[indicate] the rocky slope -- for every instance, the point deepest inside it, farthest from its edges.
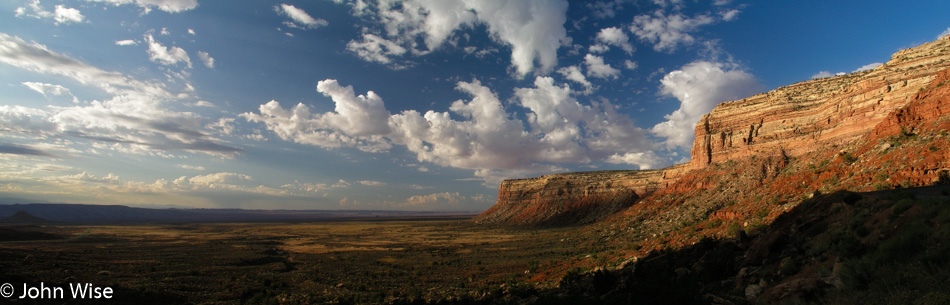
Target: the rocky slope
(789, 122)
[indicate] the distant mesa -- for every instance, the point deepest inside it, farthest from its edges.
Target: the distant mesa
(23, 217)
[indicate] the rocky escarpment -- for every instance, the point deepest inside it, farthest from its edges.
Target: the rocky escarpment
(573, 198)
(785, 123)
(824, 112)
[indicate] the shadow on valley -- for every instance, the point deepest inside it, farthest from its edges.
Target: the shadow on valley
(887, 247)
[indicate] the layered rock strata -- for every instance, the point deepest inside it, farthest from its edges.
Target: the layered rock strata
(822, 112)
(788, 122)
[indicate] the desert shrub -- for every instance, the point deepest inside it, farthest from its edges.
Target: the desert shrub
(733, 229)
(788, 267)
(904, 245)
(848, 158)
(900, 207)
(845, 244)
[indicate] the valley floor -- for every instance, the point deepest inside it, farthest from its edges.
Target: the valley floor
(287, 263)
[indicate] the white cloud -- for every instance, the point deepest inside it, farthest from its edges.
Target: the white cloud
(33, 9)
(224, 126)
(191, 167)
(533, 29)
(63, 14)
(597, 68)
(164, 55)
(646, 160)
(191, 31)
(133, 120)
(486, 138)
(23, 120)
(171, 6)
(944, 33)
(47, 89)
(206, 59)
(616, 37)
(598, 48)
(363, 115)
(358, 121)
(126, 42)
(430, 201)
(219, 178)
(667, 32)
(730, 15)
(574, 74)
(60, 15)
(605, 9)
(372, 183)
(204, 104)
(299, 18)
(375, 48)
(868, 66)
(700, 86)
(630, 65)
(822, 74)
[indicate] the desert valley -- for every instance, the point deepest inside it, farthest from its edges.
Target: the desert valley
(834, 191)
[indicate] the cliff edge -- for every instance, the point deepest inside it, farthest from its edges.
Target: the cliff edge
(787, 122)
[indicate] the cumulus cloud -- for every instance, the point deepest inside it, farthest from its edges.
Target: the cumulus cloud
(533, 29)
(63, 14)
(298, 17)
(358, 121)
(60, 15)
(47, 89)
(616, 37)
(206, 59)
(375, 49)
(477, 134)
(646, 159)
(171, 6)
(573, 73)
(667, 32)
(165, 55)
(700, 86)
(133, 120)
(597, 68)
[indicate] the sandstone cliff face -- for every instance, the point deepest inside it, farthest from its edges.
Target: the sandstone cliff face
(829, 111)
(573, 198)
(788, 122)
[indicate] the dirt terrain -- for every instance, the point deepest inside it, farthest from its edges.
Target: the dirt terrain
(285, 263)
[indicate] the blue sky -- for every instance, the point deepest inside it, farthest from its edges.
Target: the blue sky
(398, 105)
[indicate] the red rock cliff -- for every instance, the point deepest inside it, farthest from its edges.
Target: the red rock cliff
(828, 111)
(789, 121)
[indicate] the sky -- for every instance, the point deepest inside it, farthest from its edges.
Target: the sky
(392, 105)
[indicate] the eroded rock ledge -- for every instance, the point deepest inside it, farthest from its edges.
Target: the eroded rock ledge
(790, 121)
